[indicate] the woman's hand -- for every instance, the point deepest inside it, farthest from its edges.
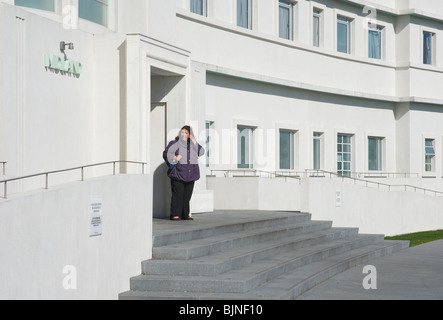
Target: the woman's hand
(178, 158)
(193, 140)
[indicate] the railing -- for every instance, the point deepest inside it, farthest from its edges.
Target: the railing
(258, 173)
(82, 169)
(367, 183)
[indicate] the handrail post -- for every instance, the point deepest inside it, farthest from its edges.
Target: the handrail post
(6, 190)
(47, 181)
(83, 173)
(113, 169)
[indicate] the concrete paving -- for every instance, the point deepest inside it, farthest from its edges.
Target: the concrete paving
(414, 273)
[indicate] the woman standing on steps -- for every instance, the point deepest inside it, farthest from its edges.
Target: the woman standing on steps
(181, 156)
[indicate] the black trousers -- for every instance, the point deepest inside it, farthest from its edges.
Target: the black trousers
(181, 195)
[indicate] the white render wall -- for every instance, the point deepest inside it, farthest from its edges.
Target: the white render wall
(43, 232)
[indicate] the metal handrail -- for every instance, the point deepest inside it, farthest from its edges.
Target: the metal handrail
(368, 182)
(82, 168)
(258, 173)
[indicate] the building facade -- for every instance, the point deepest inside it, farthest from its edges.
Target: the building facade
(272, 88)
(348, 87)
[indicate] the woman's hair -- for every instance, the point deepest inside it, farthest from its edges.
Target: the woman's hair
(187, 128)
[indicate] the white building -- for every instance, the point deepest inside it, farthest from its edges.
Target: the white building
(346, 87)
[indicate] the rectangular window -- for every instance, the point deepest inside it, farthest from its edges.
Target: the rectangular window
(94, 10)
(47, 5)
(209, 128)
(199, 7)
(343, 35)
(287, 144)
(317, 146)
(244, 14)
(285, 18)
(374, 42)
(429, 155)
(428, 42)
(245, 147)
(375, 153)
(344, 154)
(316, 28)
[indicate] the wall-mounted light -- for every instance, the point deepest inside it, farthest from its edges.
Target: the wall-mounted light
(63, 46)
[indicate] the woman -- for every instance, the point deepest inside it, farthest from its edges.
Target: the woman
(181, 155)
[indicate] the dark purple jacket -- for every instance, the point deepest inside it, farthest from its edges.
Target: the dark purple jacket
(187, 168)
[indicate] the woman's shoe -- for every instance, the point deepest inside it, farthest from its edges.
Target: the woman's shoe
(175, 218)
(189, 218)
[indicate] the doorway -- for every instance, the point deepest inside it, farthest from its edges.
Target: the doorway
(161, 192)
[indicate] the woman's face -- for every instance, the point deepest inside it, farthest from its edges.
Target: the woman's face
(184, 134)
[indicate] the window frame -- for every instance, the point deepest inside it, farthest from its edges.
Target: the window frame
(106, 5)
(317, 15)
(292, 149)
(204, 5)
(249, 14)
(290, 29)
(344, 20)
(342, 171)
(318, 137)
(54, 10)
(249, 157)
(429, 155)
(380, 30)
(379, 157)
(432, 52)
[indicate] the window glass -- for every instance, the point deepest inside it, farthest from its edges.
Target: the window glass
(198, 7)
(316, 28)
(374, 42)
(48, 5)
(343, 35)
(344, 155)
(427, 47)
(285, 19)
(94, 10)
(244, 147)
(374, 154)
(429, 155)
(286, 149)
(317, 150)
(244, 13)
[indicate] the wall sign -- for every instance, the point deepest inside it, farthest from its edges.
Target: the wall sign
(96, 221)
(60, 64)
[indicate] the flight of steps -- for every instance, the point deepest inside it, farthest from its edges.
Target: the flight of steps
(250, 255)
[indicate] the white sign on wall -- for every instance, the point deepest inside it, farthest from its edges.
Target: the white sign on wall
(338, 198)
(96, 221)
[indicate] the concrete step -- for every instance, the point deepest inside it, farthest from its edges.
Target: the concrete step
(226, 241)
(237, 256)
(289, 285)
(230, 222)
(250, 255)
(253, 275)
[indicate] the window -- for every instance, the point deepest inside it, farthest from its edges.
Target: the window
(344, 155)
(209, 128)
(374, 41)
(375, 152)
(199, 7)
(245, 148)
(343, 35)
(47, 5)
(317, 146)
(244, 14)
(94, 10)
(429, 155)
(428, 42)
(285, 17)
(316, 28)
(287, 144)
